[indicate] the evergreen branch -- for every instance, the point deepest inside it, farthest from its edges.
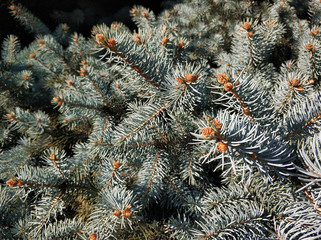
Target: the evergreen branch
(67, 235)
(53, 158)
(254, 126)
(251, 98)
(121, 93)
(24, 161)
(178, 52)
(116, 165)
(48, 213)
(296, 222)
(110, 44)
(75, 119)
(51, 44)
(309, 196)
(152, 174)
(304, 118)
(82, 106)
(96, 87)
(228, 200)
(42, 64)
(28, 20)
(158, 131)
(79, 165)
(144, 123)
(230, 227)
(179, 126)
(76, 40)
(305, 126)
(10, 49)
(176, 189)
(191, 165)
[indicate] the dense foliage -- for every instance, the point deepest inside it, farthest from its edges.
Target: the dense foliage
(203, 123)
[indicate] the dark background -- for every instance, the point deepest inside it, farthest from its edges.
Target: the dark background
(80, 15)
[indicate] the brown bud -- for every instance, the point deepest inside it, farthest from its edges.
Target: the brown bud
(64, 28)
(246, 25)
(117, 213)
(207, 132)
(93, 236)
(222, 78)
(218, 125)
(11, 183)
(164, 40)
(295, 82)
(111, 42)
(222, 147)
(53, 156)
(145, 15)
(181, 81)
(253, 155)
(126, 213)
(137, 39)
(181, 44)
(20, 183)
(228, 86)
(309, 47)
(246, 111)
(116, 164)
(191, 77)
(100, 39)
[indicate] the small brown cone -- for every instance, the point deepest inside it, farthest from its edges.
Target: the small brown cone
(111, 42)
(246, 25)
(309, 47)
(191, 77)
(218, 125)
(126, 213)
(207, 132)
(93, 236)
(20, 183)
(11, 183)
(222, 147)
(181, 44)
(246, 111)
(53, 156)
(116, 164)
(295, 82)
(100, 39)
(117, 213)
(228, 86)
(222, 78)
(165, 40)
